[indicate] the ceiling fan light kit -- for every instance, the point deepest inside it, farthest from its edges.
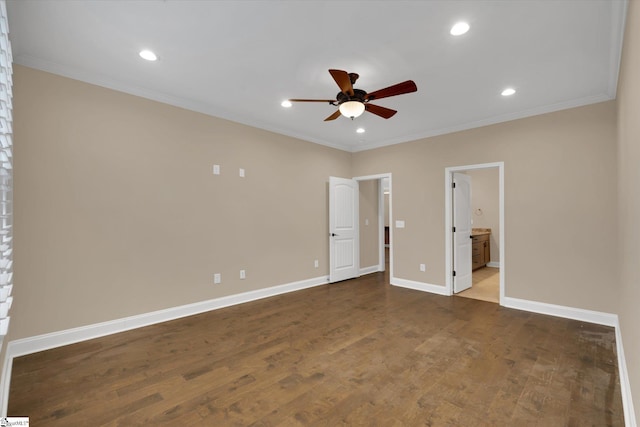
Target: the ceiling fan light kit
(352, 109)
(352, 102)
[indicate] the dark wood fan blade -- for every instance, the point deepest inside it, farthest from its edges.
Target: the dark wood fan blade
(399, 89)
(380, 111)
(330, 101)
(343, 80)
(333, 116)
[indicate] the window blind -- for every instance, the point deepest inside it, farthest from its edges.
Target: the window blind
(6, 173)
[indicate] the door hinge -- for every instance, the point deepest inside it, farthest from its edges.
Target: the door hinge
(453, 185)
(454, 229)
(454, 273)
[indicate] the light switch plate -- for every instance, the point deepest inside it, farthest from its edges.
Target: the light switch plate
(216, 169)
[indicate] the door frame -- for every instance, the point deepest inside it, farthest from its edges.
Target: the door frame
(448, 203)
(378, 178)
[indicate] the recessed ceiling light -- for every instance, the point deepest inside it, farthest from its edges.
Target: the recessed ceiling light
(360, 130)
(459, 29)
(286, 103)
(148, 55)
(508, 91)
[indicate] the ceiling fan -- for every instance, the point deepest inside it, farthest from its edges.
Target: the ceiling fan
(353, 102)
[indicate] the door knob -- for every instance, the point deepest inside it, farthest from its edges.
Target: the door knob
(333, 234)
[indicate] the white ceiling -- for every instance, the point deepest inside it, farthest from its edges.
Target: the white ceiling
(239, 59)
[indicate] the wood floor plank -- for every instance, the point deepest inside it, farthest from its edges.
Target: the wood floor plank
(359, 352)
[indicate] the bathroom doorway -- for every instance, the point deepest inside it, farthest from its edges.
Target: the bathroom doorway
(486, 215)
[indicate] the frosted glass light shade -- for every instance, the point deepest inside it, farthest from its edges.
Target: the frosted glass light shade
(352, 109)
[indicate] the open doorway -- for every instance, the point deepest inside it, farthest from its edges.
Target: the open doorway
(482, 245)
(356, 226)
(375, 218)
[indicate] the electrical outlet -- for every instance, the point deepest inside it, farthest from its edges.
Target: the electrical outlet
(316, 264)
(423, 267)
(217, 278)
(243, 274)
(241, 172)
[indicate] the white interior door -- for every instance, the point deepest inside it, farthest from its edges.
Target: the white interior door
(344, 244)
(462, 242)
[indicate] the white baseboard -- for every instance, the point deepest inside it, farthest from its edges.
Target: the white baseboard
(30, 345)
(493, 264)
(369, 270)
(38, 343)
(419, 286)
(625, 386)
(590, 316)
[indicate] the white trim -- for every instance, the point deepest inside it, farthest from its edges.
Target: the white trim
(625, 386)
(34, 344)
(419, 286)
(493, 264)
(5, 383)
(369, 270)
(381, 243)
(502, 118)
(372, 177)
(448, 179)
(47, 341)
(202, 107)
(598, 317)
(618, 19)
(43, 342)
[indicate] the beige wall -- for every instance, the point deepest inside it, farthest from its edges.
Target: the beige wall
(386, 210)
(485, 205)
(629, 197)
(560, 203)
(369, 233)
(118, 212)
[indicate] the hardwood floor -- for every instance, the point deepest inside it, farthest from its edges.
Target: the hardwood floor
(486, 285)
(359, 352)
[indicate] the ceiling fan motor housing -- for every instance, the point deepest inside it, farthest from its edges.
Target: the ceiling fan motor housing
(358, 95)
